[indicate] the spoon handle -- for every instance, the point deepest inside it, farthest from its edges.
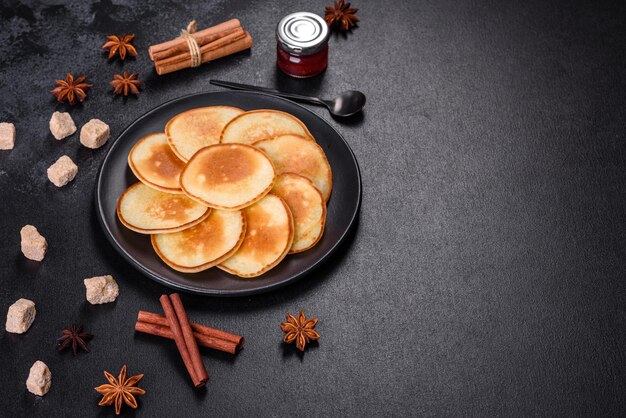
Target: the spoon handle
(238, 86)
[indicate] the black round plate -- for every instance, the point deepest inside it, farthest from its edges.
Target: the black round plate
(115, 176)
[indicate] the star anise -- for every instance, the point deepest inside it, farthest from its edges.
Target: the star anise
(120, 390)
(71, 90)
(74, 337)
(299, 330)
(120, 45)
(126, 84)
(341, 15)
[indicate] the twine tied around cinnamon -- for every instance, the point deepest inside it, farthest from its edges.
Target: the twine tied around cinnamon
(194, 48)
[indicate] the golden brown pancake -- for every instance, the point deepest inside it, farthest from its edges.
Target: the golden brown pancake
(155, 164)
(228, 176)
(197, 128)
(258, 125)
(295, 154)
(149, 211)
(202, 246)
(269, 235)
(307, 208)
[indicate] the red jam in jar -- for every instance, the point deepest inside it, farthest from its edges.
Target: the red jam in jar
(302, 44)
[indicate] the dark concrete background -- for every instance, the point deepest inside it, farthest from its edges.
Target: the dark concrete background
(486, 277)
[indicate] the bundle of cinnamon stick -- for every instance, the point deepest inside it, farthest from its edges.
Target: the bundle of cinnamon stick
(215, 42)
(175, 325)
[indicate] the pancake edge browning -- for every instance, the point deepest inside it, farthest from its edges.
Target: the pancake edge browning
(204, 266)
(319, 237)
(309, 135)
(158, 230)
(273, 264)
(330, 170)
(141, 178)
(167, 129)
(238, 207)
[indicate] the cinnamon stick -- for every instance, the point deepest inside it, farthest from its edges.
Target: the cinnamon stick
(190, 341)
(231, 48)
(202, 37)
(185, 56)
(174, 325)
(153, 318)
(202, 339)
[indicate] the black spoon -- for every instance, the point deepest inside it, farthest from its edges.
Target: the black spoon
(346, 104)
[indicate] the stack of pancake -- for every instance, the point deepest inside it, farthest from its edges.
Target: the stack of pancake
(227, 188)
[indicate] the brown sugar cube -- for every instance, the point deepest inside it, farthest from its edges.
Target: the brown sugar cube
(34, 246)
(39, 379)
(20, 316)
(101, 289)
(7, 135)
(94, 134)
(62, 125)
(62, 171)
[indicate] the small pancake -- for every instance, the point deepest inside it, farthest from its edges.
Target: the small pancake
(307, 207)
(258, 125)
(155, 165)
(228, 176)
(295, 154)
(197, 128)
(269, 235)
(149, 211)
(202, 246)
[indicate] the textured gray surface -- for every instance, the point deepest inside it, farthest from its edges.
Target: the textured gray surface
(487, 273)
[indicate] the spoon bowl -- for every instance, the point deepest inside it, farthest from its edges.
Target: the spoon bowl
(346, 104)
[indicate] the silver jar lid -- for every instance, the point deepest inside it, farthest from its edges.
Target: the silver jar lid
(302, 33)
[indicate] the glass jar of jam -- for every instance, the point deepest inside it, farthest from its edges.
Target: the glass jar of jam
(302, 44)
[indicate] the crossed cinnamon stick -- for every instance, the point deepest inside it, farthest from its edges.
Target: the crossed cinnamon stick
(175, 325)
